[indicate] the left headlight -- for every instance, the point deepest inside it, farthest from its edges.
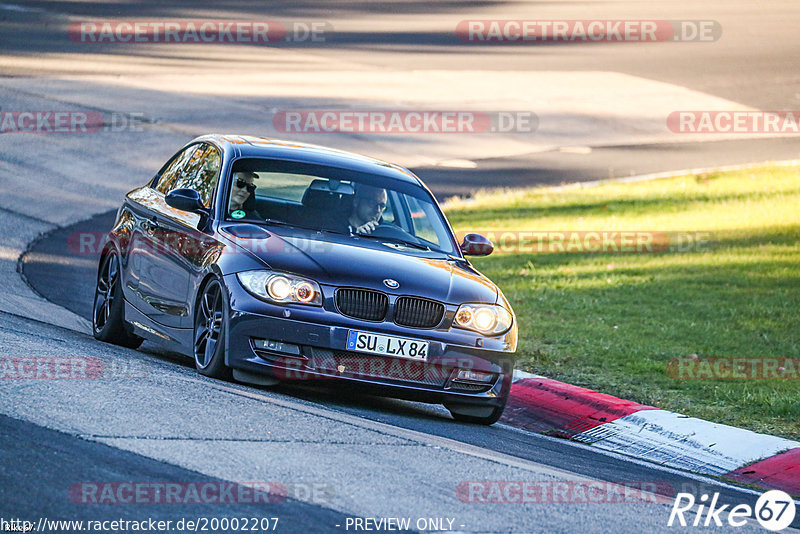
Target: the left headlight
(281, 288)
(488, 319)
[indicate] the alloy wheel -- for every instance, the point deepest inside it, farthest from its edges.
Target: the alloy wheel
(104, 293)
(208, 325)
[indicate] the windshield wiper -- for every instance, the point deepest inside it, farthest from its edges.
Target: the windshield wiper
(300, 226)
(419, 246)
(277, 222)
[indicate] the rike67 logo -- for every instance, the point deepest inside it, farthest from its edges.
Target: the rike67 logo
(774, 510)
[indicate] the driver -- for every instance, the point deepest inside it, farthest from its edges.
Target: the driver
(369, 204)
(243, 201)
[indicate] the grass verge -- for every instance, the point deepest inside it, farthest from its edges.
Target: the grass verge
(721, 278)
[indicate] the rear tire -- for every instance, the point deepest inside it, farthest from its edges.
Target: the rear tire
(108, 309)
(210, 327)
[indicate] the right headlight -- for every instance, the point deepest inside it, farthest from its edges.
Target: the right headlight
(281, 288)
(488, 319)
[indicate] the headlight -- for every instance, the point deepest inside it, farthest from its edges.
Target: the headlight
(484, 318)
(281, 288)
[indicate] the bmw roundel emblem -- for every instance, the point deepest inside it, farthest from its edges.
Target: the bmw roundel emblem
(391, 284)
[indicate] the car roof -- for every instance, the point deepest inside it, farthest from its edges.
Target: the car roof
(264, 147)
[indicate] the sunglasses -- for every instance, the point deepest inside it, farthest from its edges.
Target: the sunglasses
(241, 184)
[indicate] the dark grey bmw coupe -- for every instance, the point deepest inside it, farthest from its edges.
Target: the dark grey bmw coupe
(270, 260)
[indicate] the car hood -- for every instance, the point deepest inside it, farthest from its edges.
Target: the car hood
(344, 261)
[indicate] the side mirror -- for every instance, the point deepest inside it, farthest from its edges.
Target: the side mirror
(186, 200)
(476, 245)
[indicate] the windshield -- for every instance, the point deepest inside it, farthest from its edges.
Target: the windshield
(336, 200)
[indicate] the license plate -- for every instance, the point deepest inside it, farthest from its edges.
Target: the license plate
(387, 345)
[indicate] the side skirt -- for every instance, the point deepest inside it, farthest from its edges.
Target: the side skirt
(174, 339)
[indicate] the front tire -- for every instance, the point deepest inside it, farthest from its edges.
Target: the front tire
(210, 327)
(477, 415)
(108, 309)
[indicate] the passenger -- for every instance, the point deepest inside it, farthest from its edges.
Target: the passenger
(369, 204)
(243, 199)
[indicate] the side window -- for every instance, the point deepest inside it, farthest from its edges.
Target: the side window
(201, 171)
(170, 175)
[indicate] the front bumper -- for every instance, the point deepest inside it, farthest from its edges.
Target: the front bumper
(308, 344)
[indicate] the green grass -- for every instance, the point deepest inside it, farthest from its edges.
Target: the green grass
(612, 321)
